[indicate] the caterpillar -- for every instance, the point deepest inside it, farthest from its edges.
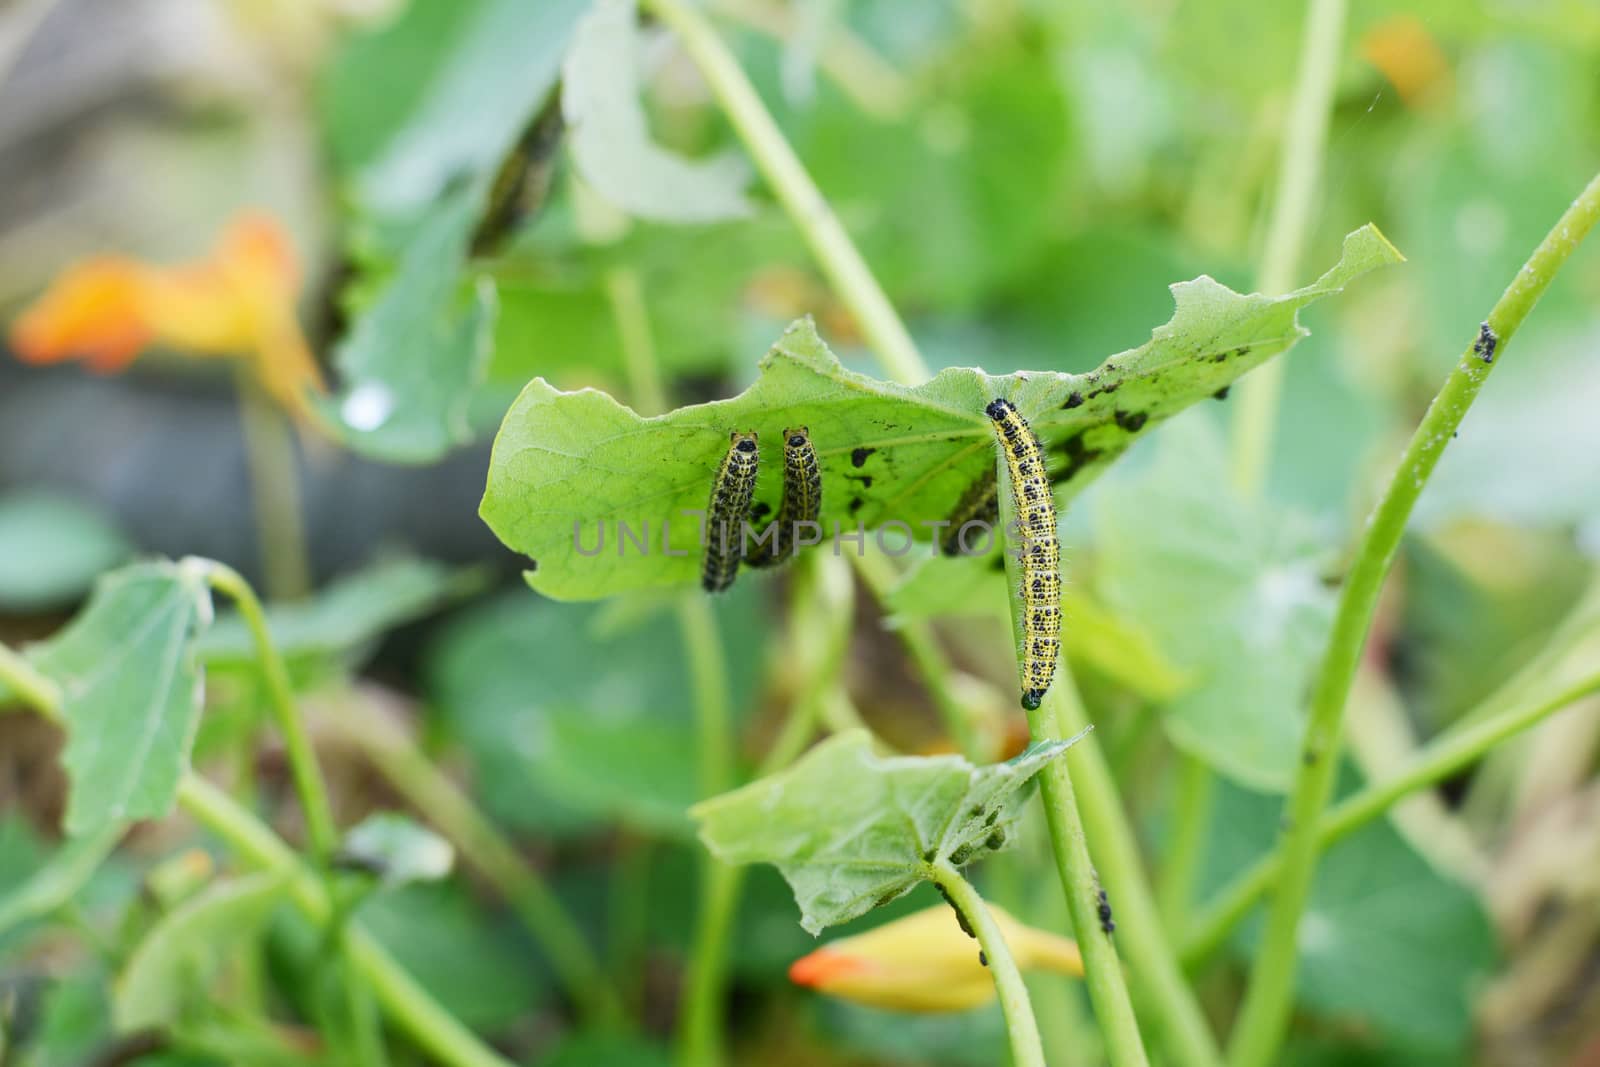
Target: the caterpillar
(735, 484)
(980, 504)
(802, 501)
(1041, 556)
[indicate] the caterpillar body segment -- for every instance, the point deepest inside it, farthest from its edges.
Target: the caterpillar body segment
(731, 492)
(1040, 555)
(802, 501)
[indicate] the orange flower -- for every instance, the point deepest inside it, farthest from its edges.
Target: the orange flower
(1406, 53)
(925, 962)
(239, 300)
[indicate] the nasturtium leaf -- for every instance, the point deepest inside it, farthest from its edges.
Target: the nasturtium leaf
(347, 614)
(131, 690)
(173, 964)
(1231, 590)
(610, 137)
(410, 365)
(570, 466)
(851, 829)
(51, 549)
(396, 849)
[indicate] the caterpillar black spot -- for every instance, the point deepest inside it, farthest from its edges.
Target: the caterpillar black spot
(735, 484)
(1041, 555)
(979, 504)
(802, 501)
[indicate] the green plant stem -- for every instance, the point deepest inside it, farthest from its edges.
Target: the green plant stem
(923, 647)
(447, 806)
(1163, 993)
(1431, 764)
(626, 296)
(407, 1004)
(274, 491)
(1305, 135)
(1191, 818)
(1026, 1048)
(321, 829)
(1265, 1012)
(700, 1016)
(811, 213)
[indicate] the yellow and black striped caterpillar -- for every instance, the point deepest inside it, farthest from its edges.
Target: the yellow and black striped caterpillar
(735, 484)
(1041, 555)
(802, 501)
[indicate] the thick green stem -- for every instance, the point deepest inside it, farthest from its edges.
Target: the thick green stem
(700, 1016)
(1163, 992)
(811, 213)
(1191, 823)
(1305, 135)
(1026, 1048)
(447, 806)
(407, 1004)
(1265, 1013)
(274, 491)
(1431, 764)
(321, 829)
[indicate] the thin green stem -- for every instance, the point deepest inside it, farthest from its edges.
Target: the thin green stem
(1305, 135)
(1431, 764)
(321, 829)
(274, 491)
(923, 647)
(1163, 993)
(626, 296)
(811, 213)
(444, 804)
(30, 685)
(700, 1017)
(1191, 822)
(1026, 1048)
(1265, 1013)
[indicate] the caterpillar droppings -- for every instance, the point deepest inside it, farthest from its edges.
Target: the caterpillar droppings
(735, 484)
(1041, 555)
(802, 501)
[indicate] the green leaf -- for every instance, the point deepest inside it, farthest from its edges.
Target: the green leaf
(565, 462)
(173, 965)
(59, 879)
(131, 690)
(409, 367)
(397, 849)
(51, 549)
(347, 614)
(610, 138)
(558, 744)
(500, 62)
(1233, 593)
(851, 830)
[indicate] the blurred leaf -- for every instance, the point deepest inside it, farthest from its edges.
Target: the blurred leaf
(409, 366)
(851, 830)
(350, 612)
(606, 1050)
(131, 690)
(59, 879)
(1232, 592)
(477, 971)
(610, 138)
(558, 742)
(73, 1021)
(1385, 940)
(177, 960)
(51, 549)
(483, 86)
(890, 453)
(397, 849)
